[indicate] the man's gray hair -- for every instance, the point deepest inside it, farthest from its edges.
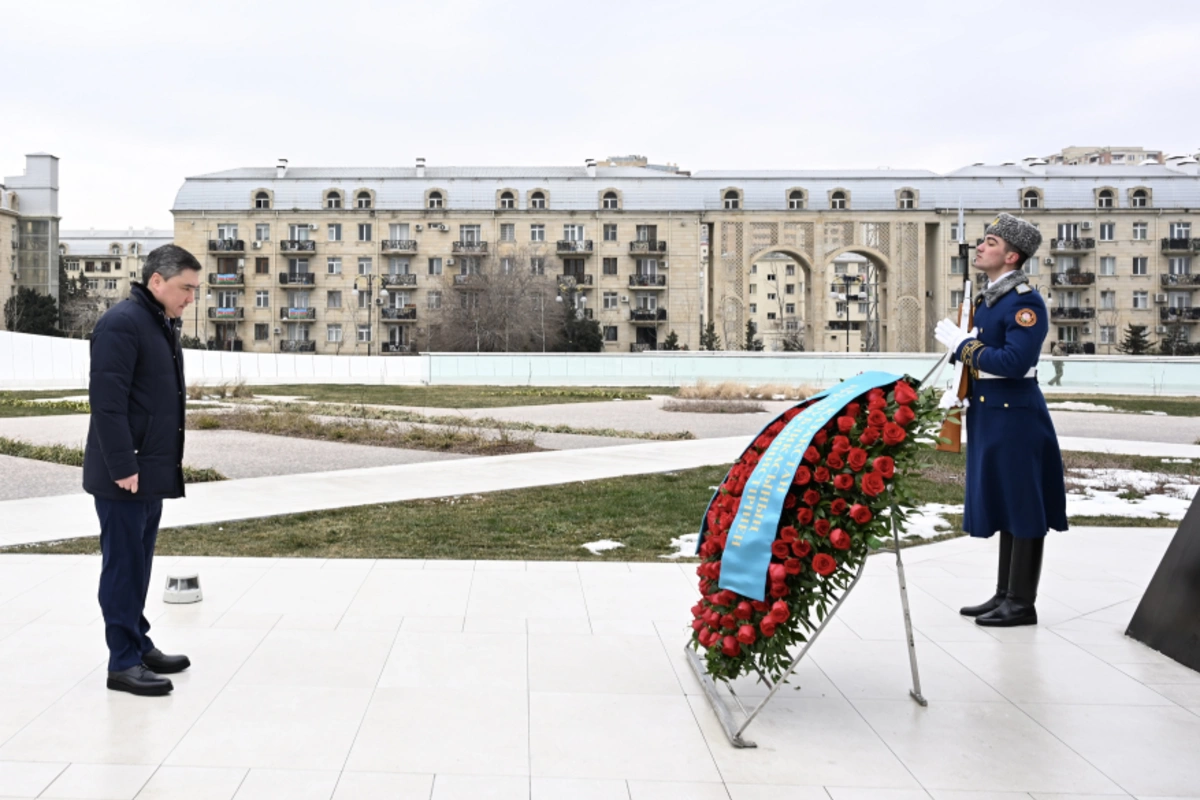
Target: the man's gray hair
(168, 261)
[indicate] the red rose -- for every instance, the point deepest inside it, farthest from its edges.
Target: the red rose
(712, 618)
(759, 605)
(821, 438)
(821, 474)
(803, 476)
(775, 572)
(727, 621)
(860, 514)
(845, 424)
(844, 482)
(856, 458)
(877, 418)
(837, 507)
(725, 598)
(775, 428)
(704, 637)
(811, 455)
(697, 610)
(872, 484)
(697, 624)
(767, 626)
(869, 437)
(875, 394)
(839, 539)
(877, 404)
(903, 415)
(791, 413)
(743, 610)
(822, 527)
(904, 393)
(762, 442)
(788, 534)
(823, 564)
(750, 458)
(804, 516)
(746, 634)
(779, 549)
(812, 497)
(801, 549)
(730, 647)
(793, 566)
(779, 590)
(708, 549)
(893, 434)
(834, 461)
(852, 410)
(789, 500)
(779, 612)
(841, 445)
(885, 466)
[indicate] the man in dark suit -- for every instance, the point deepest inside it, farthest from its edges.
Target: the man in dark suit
(1014, 466)
(134, 456)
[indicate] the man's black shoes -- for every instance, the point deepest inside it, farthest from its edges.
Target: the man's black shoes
(984, 608)
(163, 664)
(139, 680)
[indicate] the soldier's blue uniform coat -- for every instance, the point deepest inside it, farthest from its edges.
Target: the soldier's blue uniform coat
(1014, 466)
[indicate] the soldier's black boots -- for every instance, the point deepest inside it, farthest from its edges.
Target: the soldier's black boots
(1026, 570)
(1006, 547)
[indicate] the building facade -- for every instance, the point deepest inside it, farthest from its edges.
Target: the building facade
(29, 228)
(103, 263)
(831, 260)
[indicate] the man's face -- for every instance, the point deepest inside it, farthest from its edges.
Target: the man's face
(175, 293)
(992, 255)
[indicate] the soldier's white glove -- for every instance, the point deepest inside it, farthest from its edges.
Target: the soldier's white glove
(951, 335)
(950, 400)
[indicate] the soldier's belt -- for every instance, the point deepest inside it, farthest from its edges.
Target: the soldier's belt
(1032, 373)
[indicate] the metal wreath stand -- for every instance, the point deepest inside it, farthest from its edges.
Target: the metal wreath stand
(725, 715)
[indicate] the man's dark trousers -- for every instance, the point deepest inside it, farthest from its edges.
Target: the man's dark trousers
(128, 530)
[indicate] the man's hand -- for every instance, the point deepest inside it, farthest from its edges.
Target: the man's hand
(951, 335)
(950, 400)
(129, 484)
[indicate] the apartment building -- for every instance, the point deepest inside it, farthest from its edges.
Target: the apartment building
(107, 261)
(29, 228)
(361, 259)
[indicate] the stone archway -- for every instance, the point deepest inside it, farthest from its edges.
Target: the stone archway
(801, 320)
(862, 324)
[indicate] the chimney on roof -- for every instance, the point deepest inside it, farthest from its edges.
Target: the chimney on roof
(420, 168)
(591, 167)
(281, 168)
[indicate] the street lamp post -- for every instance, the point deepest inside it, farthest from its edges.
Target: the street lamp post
(383, 294)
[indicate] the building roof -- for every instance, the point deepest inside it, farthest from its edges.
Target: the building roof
(94, 242)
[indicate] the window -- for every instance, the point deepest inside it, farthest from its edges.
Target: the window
(907, 199)
(333, 332)
(1108, 265)
(1179, 265)
(609, 201)
(537, 233)
(262, 200)
(610, 333)
(261, 331)
(790, 270)
(958, 265)
(298, 231)
(364, 333)
(1066, 264)
(469, 234)
(1139, 265)
(71, 266)
(506, 266)
(297, 266)
(1141, 300)
(364, 231)
(1068, 230)
(363, 200)
(610, 266)
(433, 300)
(1108, 299)
(333, 265)
(956, 298)
(789, 308)
(537, 265)
(753, 288)
(262, 232)
(93, 284)
(227, 231)
(770, 295)
(262, 266)
(573, 233)
(435, 266)
(333, 299)
(754, 269)
(732, 200)
(435, 200)
(770, 315)
(1105, 198)
(364, 301)
(110, 284)
(1139, 198)
(333, 200)
(795, 200)
(790, 289)
(507, 201)
(1181, 230)
(1108, 334)
(647, 233)
(1031, 199)
(954, 231)
(262, 298)
(837, 200)
(754, 308)
(771, 277)
(610, 232)
(1108, 231)
(364, 265)
(610, 300)
(508, 232)
(537, 200)
(334, 232)
(1068, 333)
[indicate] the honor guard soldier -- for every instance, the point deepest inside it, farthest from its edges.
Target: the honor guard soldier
(1014, 467)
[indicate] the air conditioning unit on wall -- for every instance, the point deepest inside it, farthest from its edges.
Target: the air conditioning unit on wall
(1049, 262)
(1087, 329)
(1085, 226)
(1160, 298)
(1161, 329)
(257, 245)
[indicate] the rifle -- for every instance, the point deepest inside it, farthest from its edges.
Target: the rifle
(952, 427)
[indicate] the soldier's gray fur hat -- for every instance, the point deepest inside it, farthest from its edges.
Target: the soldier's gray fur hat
(1017, 232)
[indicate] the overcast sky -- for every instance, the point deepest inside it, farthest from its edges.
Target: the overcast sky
(134, 96)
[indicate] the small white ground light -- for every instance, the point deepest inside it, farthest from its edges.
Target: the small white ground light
(183, 588)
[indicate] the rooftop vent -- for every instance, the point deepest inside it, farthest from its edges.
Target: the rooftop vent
(591, 167)
(281, 168)
(420, 168)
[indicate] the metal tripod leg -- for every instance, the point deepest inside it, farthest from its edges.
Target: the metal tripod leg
(915, 692)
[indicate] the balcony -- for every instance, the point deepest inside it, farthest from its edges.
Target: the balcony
(1072, 280)
(648, 281)
(1077, 348)
(468, 280)
(572, 247)
(297, 278)
(401, 246)
(395, 347)
(1181, 281)
(643, 347)
(297, 346)
(227, 314)
(1072, 245)
(226, 279)
(228, 345)
(574, 280)
(406, 314)
(469, 248)
(297, 246)
(1179, 314)
(399, 279)
(1062, 314)
(226, 246)
(298, 314)
(647, 247)
(647, 316)
(1180, 245)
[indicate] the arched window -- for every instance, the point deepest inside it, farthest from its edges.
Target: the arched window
(507, 200)
(435, 199)
(363, 199)
(1139, 198)
(837, 200)
(1104, 199)
(796, 199)
(62, 249)
(262, 200)
(609, 202)
(906, 199)
(537, 200)
(731, 200)
(133, 248)
(115, 249)
(1031, 199)
(333, 200)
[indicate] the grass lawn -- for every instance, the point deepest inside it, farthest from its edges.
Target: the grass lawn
(459, 396)
(22, 404)
(1172, 406)
(73, 457)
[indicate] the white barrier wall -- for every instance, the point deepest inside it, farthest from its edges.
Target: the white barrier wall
(40, 362)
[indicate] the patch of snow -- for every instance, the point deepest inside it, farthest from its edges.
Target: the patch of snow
(1176, 461)
(685, 546)
(75, 398)
(596, 548)
(1076, 406)
(926, 521)
(1156, 413)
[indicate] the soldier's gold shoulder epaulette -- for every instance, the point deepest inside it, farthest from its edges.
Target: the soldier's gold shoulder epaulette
(1024, 288)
